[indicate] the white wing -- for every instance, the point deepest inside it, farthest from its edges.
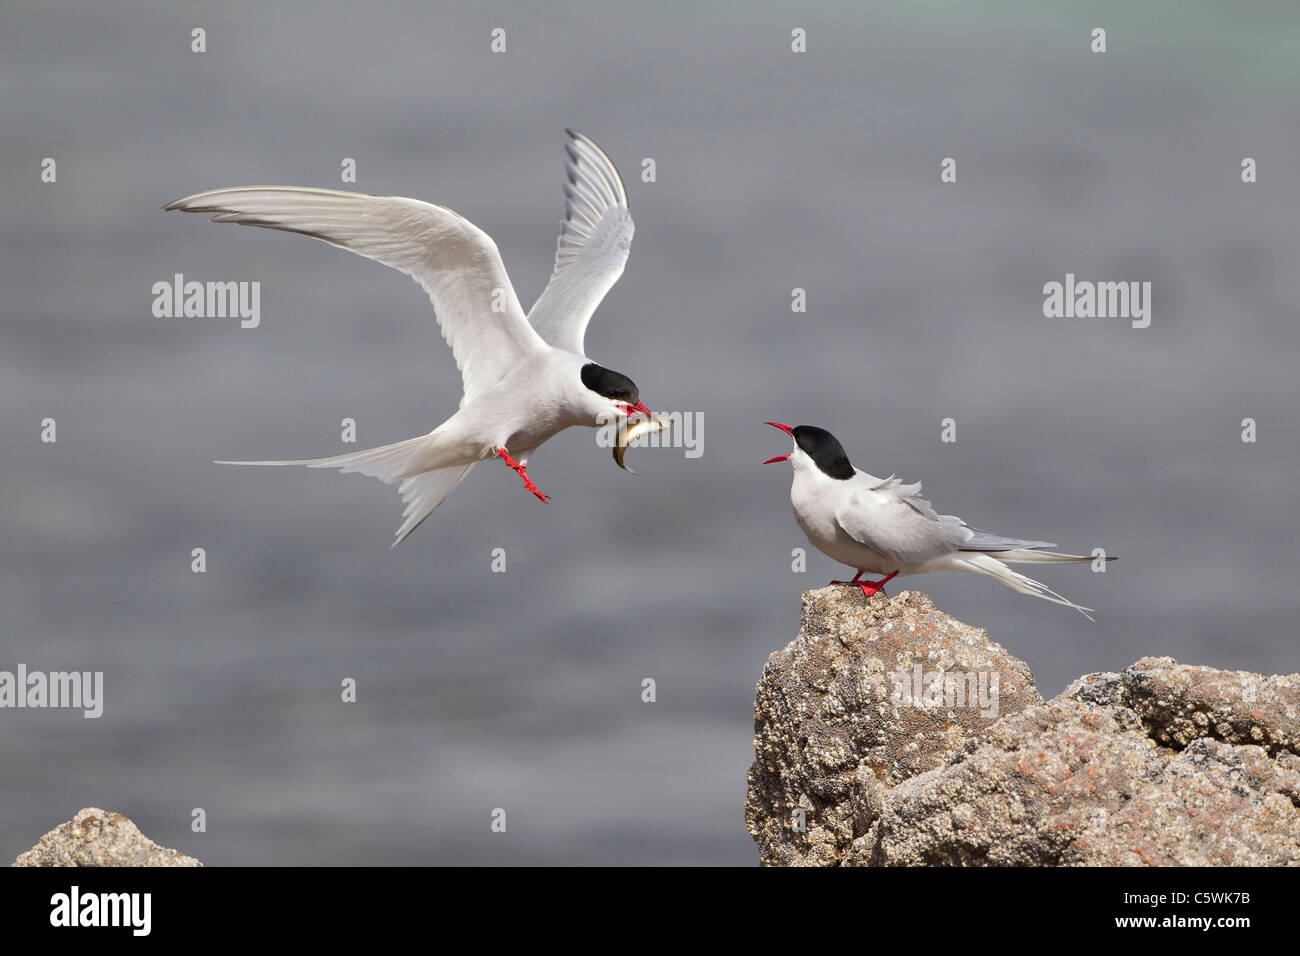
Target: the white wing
(593, 246)
(891, 519)
(456, 262)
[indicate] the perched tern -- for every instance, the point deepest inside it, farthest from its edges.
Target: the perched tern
(882, 526)
(525, 377)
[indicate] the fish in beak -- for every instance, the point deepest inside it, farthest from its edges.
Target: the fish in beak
(629, 432)
(789, 431)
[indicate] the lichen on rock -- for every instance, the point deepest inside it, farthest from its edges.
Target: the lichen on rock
(1161, 764)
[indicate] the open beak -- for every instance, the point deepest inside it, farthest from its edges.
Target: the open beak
(638, 407)
(789, 431)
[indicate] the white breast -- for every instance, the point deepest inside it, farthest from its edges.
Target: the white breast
(815, 498)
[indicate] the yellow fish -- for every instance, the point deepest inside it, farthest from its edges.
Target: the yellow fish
(630, 433)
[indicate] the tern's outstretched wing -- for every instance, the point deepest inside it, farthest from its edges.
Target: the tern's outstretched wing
(893, 520)
(592, 250)
(456, 262)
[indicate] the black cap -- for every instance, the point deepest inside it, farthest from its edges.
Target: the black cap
(610, 384)
(825, 450)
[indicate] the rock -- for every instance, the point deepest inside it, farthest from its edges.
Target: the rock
(834, 722)
(1161, 764)
(96, 837)
(1179, 704)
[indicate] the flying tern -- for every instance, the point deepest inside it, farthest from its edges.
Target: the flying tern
(883, 526)
(525, 377)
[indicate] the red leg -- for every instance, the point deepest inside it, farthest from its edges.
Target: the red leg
(528, 482)
(870, 587)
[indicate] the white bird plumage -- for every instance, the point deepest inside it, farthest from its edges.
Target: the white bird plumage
(883, 526)
(595, 238)
(525, 377)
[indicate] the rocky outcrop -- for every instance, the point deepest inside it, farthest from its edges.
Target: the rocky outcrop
(888, 733)
(96, 837)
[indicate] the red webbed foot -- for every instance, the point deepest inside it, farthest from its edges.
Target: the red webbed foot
(870, 587)
(523, 473)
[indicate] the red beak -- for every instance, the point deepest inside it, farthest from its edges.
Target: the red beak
(789, 431)
(638, 407)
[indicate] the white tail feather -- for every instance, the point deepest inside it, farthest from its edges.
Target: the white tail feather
(421, 492)
(388, 463)
(1034, 556)
(991, 566)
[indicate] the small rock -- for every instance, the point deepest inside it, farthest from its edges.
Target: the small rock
(96, 837)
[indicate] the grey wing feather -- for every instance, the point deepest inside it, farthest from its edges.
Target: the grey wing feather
(985, 541)
(595, 238)
(971, 539)
(894, 521)
(455, 261)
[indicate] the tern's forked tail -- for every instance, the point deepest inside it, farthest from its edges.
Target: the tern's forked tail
(991, 566)
(421, 492)
(388, 463)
